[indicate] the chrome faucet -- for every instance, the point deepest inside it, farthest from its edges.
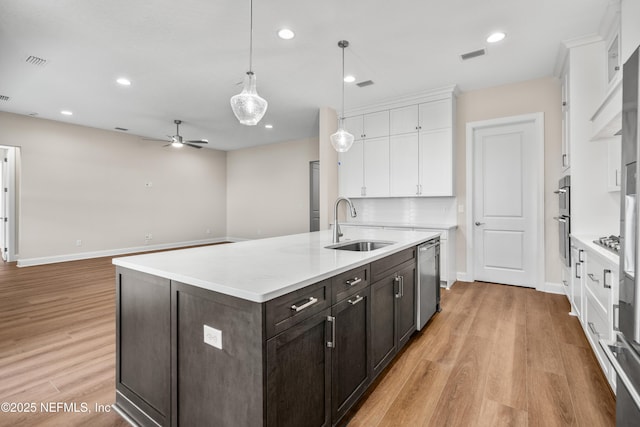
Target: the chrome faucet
(336, 227)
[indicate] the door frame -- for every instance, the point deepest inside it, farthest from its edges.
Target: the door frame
(538, 138)
(11, 238)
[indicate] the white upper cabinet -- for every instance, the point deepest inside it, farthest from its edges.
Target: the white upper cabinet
(404, 120)
(406, 151)
(372, 125)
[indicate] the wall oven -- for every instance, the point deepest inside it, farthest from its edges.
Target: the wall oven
(564, 218)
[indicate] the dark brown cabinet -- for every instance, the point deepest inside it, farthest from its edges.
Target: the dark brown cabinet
(299, 374)
(351, 370)
(191, 356)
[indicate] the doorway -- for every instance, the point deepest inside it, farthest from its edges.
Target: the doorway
(505, 182)
(314, 195)
(8, 217)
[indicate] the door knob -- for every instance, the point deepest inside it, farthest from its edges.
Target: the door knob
(479, 223)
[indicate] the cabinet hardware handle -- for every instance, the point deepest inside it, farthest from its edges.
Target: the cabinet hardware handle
(401, 286)
(355, 301)
(592, 277)
(354, 281)
(564, 157)
(332, 343)
(564, 282)
(564, 103)
(580, 252)
(363, 191)
(417, 190)
(577, 265)
(397, 280)
(617, 173)
(309, 303)
(616, 311)
(604, 278)
(560, 191)
(594, 331)
(560, 219)
(617, 68)
(421, 189)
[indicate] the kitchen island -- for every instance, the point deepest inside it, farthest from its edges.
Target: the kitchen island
(280, 331)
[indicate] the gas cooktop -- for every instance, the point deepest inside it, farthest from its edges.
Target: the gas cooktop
(611, 243)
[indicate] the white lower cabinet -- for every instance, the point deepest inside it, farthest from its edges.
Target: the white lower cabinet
(595, 291)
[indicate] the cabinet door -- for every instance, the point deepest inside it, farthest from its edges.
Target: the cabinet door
(614, 161)
(143, 343)
(299, 375)
(406, 304)
(383, 331)
(436, 163)
(354, 125)
(436, 115)
(350, 373)
(376, 124)
(376, 167)
(564, 160)
(403, 164)
(351, 171)
(403, 120)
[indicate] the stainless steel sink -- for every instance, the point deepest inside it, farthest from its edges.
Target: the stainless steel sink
(360, 245)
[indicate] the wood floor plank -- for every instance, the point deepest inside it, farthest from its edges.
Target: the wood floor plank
(494, 414)
(549, 400)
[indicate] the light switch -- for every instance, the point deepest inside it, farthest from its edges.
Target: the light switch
(213, 337)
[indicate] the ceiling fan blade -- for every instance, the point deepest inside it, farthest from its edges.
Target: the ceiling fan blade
(192, 145)
(154, 139)
(198, 141)
(167, 145)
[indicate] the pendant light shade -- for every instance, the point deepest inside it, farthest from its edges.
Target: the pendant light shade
(342, 140)
(248, 106)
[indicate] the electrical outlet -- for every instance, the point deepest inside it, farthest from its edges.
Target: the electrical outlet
(208, 231)
(460, 208)
(78, 242)
(213, 337)
(148, 184)
(148, 236)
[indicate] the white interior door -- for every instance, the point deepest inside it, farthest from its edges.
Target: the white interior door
(505, 204)
(3, 203)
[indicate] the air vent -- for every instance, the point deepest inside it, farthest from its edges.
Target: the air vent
(365, 83)
(4, 98)
(34, 60)
(473, 54)
(122, 129)
(33, 114)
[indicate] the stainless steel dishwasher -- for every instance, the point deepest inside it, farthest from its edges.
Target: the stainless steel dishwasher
(428, 295)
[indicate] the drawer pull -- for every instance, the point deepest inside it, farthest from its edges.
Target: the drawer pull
(594, 331)
(400, 281)
(592, 277)
(580, 252)
(354, 281)
(355, 301)
(604, 278)
(309, 303)
(578, 265)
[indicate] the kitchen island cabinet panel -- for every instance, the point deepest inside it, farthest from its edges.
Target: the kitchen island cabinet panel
(351, 370)
(383, 330)
(143, 345)
(406, 310)
(229, 378)
(299, 375)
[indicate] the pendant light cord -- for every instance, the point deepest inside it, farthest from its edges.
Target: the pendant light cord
(250, 36)
(342, 115)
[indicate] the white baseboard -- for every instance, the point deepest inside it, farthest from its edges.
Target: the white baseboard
(552, 288)
(463, 276)
(28, 262)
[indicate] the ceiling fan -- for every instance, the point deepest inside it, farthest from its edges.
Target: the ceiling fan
(177, 141)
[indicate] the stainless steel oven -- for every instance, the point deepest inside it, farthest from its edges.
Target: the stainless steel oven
(564, 219)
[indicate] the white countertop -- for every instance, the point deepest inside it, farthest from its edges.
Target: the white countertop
(260, 270)
(604, 254)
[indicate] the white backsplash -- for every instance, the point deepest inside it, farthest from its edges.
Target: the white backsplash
(432, 210)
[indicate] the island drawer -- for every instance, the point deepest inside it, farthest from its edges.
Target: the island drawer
(381, 268)
(348, 283)
(283, 312)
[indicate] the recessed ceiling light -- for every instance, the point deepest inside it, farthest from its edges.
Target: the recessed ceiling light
(349, 79)
(496, 37)
(124, 81)
(286, 34)
(66, 112)
(268, 126)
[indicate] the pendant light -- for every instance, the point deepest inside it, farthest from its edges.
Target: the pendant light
(342, 140)
(248, 106)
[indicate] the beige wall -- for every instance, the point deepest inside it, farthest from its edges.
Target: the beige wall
(328, 166)
(80, 183)
(268, 189)
(542, 95)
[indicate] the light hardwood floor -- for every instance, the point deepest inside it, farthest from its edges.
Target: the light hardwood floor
(495, 355)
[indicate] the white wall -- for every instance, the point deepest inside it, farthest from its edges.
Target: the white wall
(80, 183)
(630, 37)
(268, 189)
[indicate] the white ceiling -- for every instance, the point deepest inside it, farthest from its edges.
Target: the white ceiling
(185, 58)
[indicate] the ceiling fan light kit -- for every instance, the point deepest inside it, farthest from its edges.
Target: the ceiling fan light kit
(248, 106)
(342, 140)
